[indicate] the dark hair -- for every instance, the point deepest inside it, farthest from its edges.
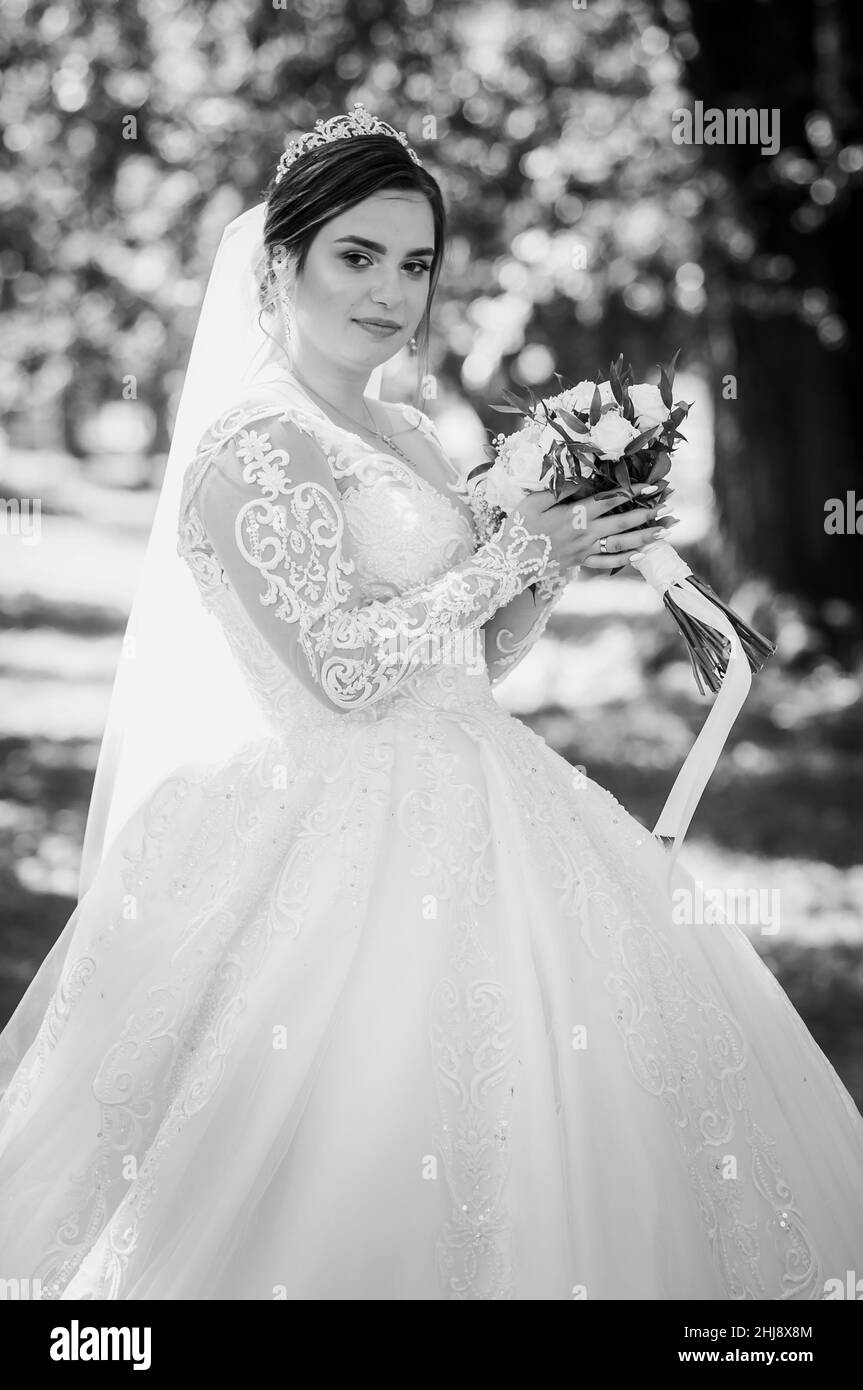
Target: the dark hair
(329, 180)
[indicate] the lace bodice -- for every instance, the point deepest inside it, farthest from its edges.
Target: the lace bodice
(345, 581)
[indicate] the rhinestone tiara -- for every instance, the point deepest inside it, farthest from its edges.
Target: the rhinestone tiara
(359, 121)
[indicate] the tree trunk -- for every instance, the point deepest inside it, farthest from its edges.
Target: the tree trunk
(786, 317)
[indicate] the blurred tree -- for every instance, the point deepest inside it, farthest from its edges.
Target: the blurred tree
(136, 133)
(131, 135)
(781, 242)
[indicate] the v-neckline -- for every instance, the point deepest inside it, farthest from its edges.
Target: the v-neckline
(412, 473)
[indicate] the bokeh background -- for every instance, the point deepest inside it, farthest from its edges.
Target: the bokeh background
(131, 134)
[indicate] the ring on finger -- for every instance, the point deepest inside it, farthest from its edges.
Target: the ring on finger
(603, 546)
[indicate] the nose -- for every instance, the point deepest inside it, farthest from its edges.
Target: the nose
(386, 291)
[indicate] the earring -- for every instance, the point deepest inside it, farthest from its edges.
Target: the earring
(413, 344)
(286, 303)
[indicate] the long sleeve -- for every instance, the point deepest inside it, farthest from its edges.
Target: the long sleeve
(271, 511)
(513, 630)
(516, 627)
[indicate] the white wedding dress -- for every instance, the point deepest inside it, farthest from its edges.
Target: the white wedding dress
(391, 1004)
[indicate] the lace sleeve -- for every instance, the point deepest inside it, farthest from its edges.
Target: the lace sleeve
(271, 511)
(513, 630)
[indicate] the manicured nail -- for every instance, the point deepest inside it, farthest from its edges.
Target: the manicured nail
(648, 488)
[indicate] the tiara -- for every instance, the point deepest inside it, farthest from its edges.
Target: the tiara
(342, 127)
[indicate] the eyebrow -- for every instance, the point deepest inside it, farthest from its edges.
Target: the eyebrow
(376, 246)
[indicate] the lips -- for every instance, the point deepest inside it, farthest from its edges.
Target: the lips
(378, 323)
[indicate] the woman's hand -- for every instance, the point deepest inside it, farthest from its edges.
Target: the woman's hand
(576, 529)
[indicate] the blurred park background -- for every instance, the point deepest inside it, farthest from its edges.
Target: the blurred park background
(579, 228)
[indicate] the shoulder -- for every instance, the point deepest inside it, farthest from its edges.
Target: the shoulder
(258, 415)
(261, 443)
(403, 414)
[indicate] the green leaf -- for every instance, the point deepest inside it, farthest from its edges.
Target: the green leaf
(673, 366)
(621, 476)
(665, 389)
(571, 421)
(616, 388)
(507, 409)
(595, 406)
(589, 450)
(480, 468)
(660, 468)
(641, 439)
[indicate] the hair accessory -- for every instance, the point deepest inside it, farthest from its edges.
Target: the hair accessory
(342, 127)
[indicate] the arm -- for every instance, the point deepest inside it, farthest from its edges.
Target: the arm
(272, 514)
(516, 627)
(513, 630)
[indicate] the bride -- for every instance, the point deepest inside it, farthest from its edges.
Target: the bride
(367, 994)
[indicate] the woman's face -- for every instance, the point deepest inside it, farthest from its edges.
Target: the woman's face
(371, 262)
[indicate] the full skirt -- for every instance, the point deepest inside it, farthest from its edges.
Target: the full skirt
(412, 1013)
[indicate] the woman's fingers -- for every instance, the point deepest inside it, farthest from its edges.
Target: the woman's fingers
(627, 521)
(620, 547)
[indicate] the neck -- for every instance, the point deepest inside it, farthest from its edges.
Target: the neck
(339, 386)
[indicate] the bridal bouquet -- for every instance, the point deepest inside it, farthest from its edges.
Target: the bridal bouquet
(604, 436)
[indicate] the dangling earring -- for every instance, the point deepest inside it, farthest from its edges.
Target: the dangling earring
(281, 275)
(413, 345)
(287, 308)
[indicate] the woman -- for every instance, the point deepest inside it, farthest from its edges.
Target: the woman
(385, 1003)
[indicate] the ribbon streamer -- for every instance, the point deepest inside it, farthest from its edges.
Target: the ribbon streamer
(661, 566)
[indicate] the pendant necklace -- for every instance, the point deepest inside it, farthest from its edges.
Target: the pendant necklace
(371, 429)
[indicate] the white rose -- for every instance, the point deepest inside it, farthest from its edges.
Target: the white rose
(611, 435)
(582, 395)
(524, 465)
(648, 406)
(500, 490)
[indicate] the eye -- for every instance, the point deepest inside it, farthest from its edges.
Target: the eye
(418, 267)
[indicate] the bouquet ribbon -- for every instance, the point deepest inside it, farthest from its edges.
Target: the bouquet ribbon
(661, 566)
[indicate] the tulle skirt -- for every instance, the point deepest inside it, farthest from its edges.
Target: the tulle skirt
(413, 1015)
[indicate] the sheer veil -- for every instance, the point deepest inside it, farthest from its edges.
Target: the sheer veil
(178, 697)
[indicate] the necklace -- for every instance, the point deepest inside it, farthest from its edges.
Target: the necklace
(371, 429)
